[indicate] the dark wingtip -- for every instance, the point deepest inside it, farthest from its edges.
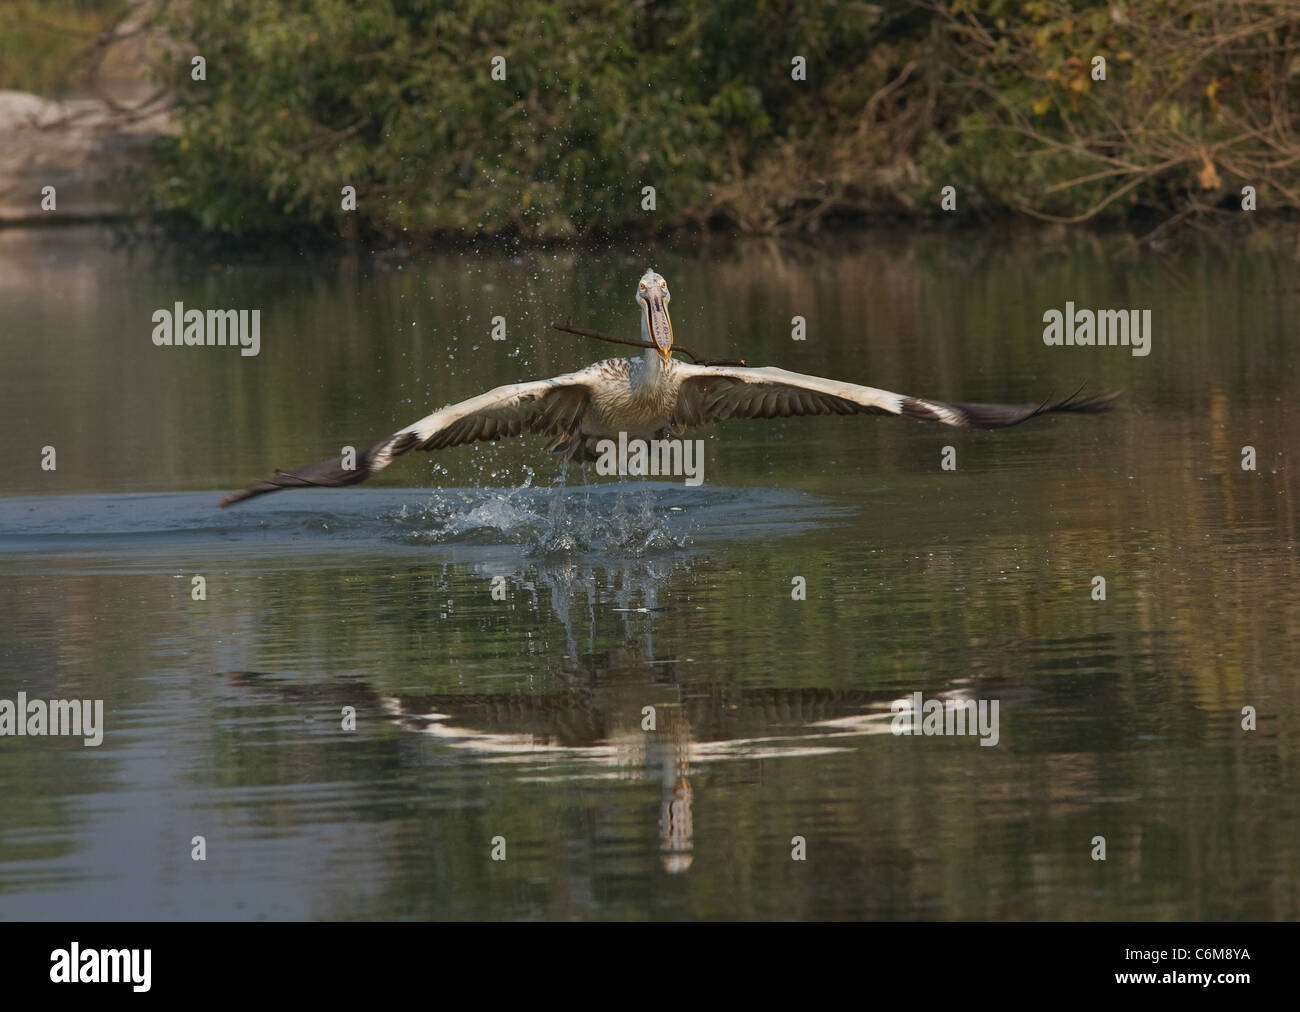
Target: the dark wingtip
(240, 496)
(1092, 404)
(1000, 416)
(330, 473)
(276, 484)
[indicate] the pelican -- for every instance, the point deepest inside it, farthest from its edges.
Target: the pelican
(651, 397)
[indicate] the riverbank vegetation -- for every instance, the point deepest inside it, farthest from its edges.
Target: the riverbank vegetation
(46, 46)
(755, 116)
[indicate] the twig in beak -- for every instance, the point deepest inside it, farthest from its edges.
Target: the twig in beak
(582, 332)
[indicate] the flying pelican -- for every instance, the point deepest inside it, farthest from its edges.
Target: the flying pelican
(651, 397)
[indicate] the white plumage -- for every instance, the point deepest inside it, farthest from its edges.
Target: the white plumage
(653, 396)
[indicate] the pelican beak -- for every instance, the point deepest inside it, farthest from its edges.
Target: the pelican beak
(659, 325)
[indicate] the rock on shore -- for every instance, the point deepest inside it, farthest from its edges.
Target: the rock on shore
(93, 157)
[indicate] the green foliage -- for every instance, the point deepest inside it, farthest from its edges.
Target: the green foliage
(695, 98)
(601, 98)
(43, 42)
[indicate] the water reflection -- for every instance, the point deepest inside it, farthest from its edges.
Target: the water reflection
(522, 715)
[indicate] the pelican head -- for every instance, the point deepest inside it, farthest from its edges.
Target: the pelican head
(656, 326)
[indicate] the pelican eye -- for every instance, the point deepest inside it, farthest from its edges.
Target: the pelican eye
(643, 286)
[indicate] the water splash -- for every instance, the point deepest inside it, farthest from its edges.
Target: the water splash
(566, 521)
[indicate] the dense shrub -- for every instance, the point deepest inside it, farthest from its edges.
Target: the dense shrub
(600, 99)
(998, 98)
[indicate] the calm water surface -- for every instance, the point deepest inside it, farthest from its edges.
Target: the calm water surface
(521, 718)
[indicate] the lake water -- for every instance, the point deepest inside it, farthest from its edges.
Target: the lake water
(483, 724)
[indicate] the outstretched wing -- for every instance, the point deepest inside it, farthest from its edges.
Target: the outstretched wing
(547, 407)
(715, 393)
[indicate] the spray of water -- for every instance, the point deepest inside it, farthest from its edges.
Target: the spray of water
(565, 521)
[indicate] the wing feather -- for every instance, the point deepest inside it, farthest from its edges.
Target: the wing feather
(548, 407)
(716, 393)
